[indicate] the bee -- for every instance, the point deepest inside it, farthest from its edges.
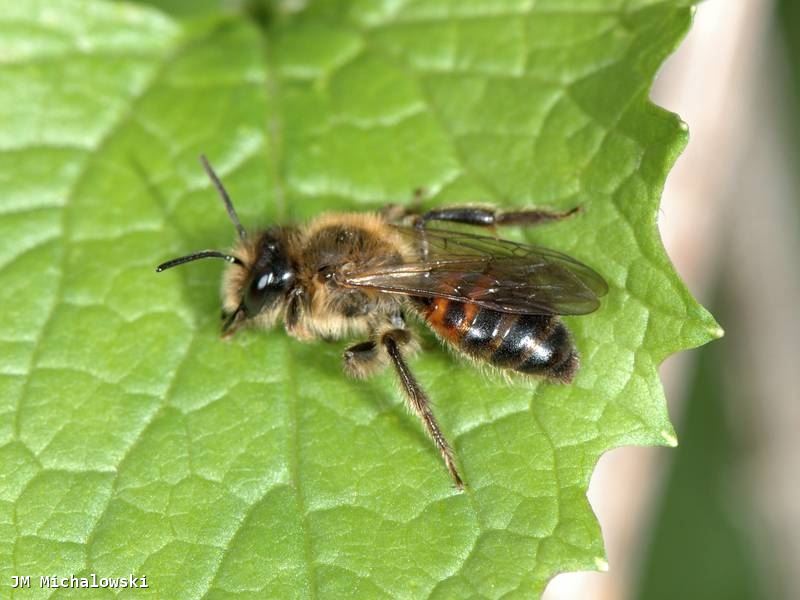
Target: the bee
(345, 275)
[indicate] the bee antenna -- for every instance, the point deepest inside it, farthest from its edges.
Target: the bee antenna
(226, 200)
(197, 256)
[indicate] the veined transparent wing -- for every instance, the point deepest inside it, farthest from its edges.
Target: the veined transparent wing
(495, 273)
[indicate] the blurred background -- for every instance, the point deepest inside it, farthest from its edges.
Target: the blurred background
(719, 517)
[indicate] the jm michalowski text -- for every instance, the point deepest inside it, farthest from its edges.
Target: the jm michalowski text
(90, 581)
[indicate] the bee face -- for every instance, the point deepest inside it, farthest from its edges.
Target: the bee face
(271, 275)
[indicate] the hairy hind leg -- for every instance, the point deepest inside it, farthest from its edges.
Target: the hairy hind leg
(366, 358)
(418, 401)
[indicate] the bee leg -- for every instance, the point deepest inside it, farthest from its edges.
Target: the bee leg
(363, 359)
(367, 358)
(488, 217)
(417, 399)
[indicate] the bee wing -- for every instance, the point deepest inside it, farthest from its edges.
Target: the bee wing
(497, 274)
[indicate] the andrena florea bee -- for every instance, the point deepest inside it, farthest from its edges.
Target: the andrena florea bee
(361, 275)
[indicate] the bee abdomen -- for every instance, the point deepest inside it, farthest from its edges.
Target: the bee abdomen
(531, 344)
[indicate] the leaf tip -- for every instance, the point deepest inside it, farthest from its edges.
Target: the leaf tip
(670, 438)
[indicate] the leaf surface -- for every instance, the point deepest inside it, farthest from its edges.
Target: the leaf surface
(134, 440)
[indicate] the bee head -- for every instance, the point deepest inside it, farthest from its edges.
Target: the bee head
(271, 275)
(260, 274)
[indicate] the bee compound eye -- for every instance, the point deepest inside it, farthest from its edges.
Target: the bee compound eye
(264, 281)
(266, 288)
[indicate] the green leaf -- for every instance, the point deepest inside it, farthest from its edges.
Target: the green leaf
(134, 440)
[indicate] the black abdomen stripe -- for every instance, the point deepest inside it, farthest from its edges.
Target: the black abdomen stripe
(480, 334)
(526, 339)
(533, 344)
